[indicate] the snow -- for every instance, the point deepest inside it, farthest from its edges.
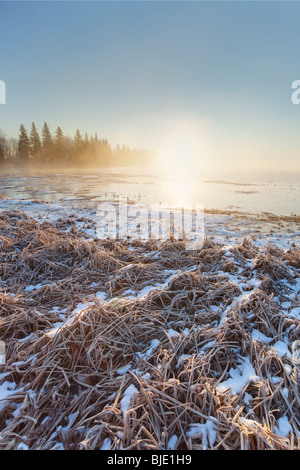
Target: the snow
(295, 312)
(22, 446)
(6, 390)
(208, 345)
(158, 286)
(256, 335)
(207, 431)
(276, 380)
(124, 369)
(101, 296)
(31, 288)
(181, 357)
(172, 442)
(239, 377)
(128, 395)
(288, 368)
(247, 398)
(145, 291)
(172, 332)
(81, 307)
(281, 349)
(106, 444)
(284, 428)
(17, 411)
(153, 345)
(71, 418)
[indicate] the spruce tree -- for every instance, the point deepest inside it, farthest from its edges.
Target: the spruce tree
(23, 144)
(59, 144)
(59, 136)
(78, 140)
(35, 141)
(46, 139)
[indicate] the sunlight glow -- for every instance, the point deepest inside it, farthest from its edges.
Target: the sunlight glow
(182, 158)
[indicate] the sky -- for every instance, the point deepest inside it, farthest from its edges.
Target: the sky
(155, 74)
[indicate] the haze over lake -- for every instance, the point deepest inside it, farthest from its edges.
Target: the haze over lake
(275, 194)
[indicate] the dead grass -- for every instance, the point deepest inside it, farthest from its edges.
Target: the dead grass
(179, 342)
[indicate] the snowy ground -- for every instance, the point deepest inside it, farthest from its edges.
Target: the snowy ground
(242, 271)
(223, 227)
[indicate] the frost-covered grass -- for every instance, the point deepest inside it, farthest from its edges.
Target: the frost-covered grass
(144, 345)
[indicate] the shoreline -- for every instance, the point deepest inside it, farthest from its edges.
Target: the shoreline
(224, 226)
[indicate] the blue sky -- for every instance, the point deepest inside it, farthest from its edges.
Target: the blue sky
(130, 70)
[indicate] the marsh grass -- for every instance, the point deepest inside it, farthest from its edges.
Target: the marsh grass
(67, 367)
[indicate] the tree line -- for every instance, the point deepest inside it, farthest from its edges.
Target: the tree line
(58, 149)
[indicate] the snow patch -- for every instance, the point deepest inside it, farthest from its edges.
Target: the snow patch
(239, 377)
(207, 431)
(128, 395)
(284, 428)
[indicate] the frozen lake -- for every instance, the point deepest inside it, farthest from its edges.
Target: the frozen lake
(140, 185)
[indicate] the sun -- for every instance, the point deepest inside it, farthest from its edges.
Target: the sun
(182, 155)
